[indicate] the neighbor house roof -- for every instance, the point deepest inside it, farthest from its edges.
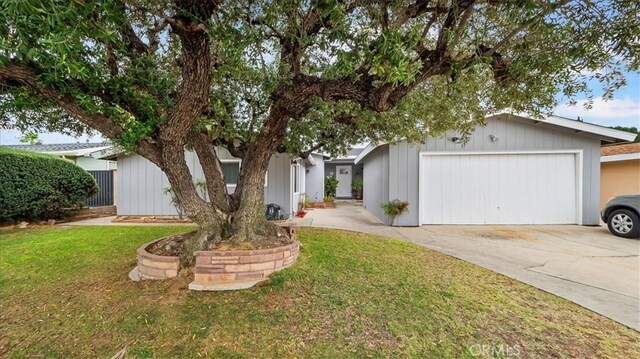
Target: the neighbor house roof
(606, 134)
(629, 151)
(65, 149)
(350, 156)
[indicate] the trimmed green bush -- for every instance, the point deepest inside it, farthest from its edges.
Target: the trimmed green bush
(37, 186)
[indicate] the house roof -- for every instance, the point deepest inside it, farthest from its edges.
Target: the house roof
(620, 149)
(349, 157)
(64, 149)
(629, 151)
(606, 134)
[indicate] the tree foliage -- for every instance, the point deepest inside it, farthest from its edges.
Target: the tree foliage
(38, 186)
(264, 76)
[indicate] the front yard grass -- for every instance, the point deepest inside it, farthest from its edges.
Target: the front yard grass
(64, 293)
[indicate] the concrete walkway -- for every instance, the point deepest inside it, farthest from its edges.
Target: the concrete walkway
(585, 265)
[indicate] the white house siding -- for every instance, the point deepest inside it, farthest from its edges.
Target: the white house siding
(141, 184)
(513, 135)
(315, 179)
(376, 181)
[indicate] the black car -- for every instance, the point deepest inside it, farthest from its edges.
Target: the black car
(622, 216)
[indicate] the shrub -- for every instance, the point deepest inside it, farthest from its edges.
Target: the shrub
(329, 199)
(395, 208)
(38, 186)
(357, 185)
(330, 186)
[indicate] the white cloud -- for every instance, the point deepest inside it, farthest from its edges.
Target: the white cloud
(617, 112)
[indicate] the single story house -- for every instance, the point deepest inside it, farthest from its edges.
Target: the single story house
(81, 153)
(513, 170)
(346, 171)
(619, 171)
(142, 185)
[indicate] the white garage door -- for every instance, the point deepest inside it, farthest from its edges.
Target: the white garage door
(499, 188)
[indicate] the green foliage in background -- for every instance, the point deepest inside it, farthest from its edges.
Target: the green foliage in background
(37, 186)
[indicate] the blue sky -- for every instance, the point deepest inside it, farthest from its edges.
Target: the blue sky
(623, 110)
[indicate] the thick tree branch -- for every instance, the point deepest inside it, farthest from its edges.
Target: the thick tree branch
(212, 169)
(16, 75)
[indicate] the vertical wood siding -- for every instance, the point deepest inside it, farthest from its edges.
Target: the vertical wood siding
(376, 181)
(513, 135)
(315, 179)
(141, 184)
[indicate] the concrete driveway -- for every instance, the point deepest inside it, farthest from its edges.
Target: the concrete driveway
(585, 265)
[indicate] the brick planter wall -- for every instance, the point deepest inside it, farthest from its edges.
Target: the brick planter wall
(151, 266)
(241, 269)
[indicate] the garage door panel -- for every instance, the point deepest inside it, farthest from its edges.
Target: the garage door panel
(499, 189)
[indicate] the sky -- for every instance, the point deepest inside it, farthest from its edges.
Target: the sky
(622, 110)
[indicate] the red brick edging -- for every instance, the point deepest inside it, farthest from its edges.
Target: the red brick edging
(151, 266)
(219, 270)
(240, 269)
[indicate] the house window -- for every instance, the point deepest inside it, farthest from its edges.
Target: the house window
(297, 183)
(231, 171)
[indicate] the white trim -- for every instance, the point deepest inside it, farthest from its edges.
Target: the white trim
(579, 172)
(621, 157)
(370, 147)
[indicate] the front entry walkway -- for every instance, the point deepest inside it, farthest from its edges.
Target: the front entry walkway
(585, 265)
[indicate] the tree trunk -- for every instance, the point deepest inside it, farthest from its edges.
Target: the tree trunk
(228, 218)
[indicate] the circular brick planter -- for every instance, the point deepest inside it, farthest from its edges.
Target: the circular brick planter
(219, 270)
(241, 269)
(151, 266)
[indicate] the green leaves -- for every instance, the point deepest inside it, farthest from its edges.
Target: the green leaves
(122, 60)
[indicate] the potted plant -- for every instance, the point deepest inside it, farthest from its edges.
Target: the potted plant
(357, 186)
(395, 208)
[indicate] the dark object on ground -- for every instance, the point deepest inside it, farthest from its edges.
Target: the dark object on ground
(274, 212)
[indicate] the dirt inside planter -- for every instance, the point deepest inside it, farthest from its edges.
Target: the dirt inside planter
(172, 246)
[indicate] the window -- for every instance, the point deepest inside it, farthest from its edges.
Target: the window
(231, 171)
(296, 178)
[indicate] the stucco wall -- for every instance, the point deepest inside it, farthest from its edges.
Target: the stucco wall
(513, 135)
(618, 178)
(376, 181)
(141, 184)
(315, 179)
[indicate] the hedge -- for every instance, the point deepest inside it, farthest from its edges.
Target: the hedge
(38, 186)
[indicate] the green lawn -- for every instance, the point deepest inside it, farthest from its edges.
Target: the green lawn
(64, 293)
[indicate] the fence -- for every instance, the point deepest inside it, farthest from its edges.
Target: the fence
(104, 197)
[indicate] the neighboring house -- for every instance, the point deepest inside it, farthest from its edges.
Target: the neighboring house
(514, 170)
(345, 171)
(142, 185)
(619, 171)
(82, 154)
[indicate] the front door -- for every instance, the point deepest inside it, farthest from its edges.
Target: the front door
(343, 175)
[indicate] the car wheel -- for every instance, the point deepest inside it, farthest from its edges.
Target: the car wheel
(624, 223)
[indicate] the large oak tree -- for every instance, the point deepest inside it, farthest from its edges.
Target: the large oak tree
(259, 77)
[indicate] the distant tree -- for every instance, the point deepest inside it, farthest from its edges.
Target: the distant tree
(629, 129)
(259, 77)
(30, 138)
